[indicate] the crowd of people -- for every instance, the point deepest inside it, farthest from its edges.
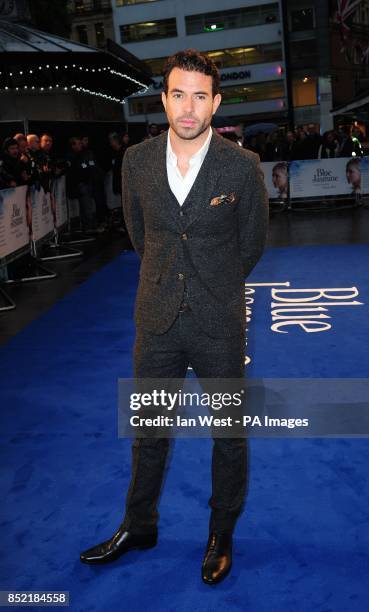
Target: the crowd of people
(306, 143)
(30, 160)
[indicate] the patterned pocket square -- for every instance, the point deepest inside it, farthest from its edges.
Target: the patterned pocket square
(223, 198)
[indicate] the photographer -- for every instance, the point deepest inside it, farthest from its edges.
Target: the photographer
(12, 171)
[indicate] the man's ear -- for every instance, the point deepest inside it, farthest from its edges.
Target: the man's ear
(216, 101)
(163, 99)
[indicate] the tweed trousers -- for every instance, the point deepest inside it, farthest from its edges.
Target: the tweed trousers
(168, 355)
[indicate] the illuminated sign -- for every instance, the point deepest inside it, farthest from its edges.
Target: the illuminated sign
(237, 74)
(226, 76)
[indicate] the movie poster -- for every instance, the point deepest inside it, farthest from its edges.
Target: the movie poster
(60, 200)
(14, 232)
(276, 179)
(42, 216)
(364, 169)
(325, 177)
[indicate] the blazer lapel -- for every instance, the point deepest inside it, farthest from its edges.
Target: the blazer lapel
(205, 184)
(202, 188)
(166, 198)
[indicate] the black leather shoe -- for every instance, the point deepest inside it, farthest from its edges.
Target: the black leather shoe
(121, 542)
(218, 558)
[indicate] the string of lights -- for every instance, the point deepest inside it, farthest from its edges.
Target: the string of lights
(58, 87)
(6, 77)
(76, 67)
(97, 93)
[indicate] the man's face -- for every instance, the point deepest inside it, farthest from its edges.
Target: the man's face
(114, 143)
(290, 137)
(13, 151)
(46, 143)
(33, 143)
(189, 104)
(22, 143)
(77, 146)
(85, 142)
(154, 130)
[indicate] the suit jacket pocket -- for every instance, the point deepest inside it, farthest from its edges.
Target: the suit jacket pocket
(225, 208)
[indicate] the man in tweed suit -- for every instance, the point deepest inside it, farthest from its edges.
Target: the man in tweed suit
(196, 209)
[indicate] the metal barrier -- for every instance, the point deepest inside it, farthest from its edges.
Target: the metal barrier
(30, 219)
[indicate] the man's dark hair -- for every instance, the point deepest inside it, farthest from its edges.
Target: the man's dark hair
(9, 142)
(73, 139)
(191, 60)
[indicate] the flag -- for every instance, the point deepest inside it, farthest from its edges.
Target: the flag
(345, 8)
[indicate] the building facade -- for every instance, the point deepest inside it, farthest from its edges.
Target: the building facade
(350, 64)
(328, 47)
(243, 37)
(349, 46)
(92, 22)
(304, 55)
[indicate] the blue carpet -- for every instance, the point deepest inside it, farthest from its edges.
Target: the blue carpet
(302, 542)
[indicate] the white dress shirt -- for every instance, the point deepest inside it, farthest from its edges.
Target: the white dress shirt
(180, 185)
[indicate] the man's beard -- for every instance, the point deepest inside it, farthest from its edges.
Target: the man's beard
(190, 133)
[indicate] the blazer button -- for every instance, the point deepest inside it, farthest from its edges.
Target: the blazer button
(181, 213)
(181, 276)
(184, 236)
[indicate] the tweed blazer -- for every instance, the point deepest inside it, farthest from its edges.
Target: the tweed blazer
(210, 243)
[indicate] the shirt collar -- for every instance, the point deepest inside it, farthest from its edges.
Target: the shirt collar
(199, 156)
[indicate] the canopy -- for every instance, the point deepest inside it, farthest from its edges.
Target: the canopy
(31, 60)
(360, 103)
